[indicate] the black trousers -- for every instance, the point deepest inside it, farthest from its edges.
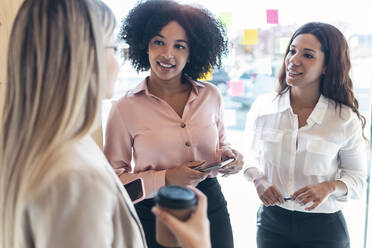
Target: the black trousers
(281, 228)
(220, 227)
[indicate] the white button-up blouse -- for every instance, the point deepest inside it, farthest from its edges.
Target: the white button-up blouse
(329, 147)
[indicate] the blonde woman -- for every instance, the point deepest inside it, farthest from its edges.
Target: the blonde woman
(56, 187)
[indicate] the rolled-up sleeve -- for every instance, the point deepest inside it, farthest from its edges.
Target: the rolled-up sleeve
(353, 162)
(118, 141)
(220, 123)
(118, 150)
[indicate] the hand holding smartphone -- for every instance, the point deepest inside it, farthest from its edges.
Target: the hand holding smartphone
(213, 166)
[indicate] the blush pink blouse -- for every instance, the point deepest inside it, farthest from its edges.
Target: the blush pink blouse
(144, 127)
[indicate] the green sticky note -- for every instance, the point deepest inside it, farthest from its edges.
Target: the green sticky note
(225, 18)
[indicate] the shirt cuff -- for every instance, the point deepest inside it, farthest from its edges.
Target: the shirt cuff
(249, 179)
(155, 183)
(346, 197)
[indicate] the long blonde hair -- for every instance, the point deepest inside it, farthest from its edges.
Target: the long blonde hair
(54, 90)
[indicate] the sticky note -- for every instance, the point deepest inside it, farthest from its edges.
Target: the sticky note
(236, 88)
(225, 18)
(250, 36)
(207, 77)
(272, 16)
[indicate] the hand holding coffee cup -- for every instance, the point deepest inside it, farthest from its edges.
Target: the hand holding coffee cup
(186, 225)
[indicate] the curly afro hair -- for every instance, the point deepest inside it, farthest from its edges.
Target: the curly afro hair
(207, 36)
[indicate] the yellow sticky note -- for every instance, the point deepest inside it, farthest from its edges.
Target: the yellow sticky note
(250, 36)
(207, 77)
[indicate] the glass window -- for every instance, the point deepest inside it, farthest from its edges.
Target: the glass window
(259, 32)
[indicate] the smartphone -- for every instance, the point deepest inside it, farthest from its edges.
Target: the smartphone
(135, 190)
(213, 166)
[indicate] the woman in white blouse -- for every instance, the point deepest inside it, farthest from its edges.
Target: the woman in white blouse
(307, 145)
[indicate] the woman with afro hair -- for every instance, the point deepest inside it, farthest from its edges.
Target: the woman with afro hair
(171, 123)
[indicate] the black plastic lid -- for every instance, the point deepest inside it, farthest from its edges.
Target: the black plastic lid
(175, 197)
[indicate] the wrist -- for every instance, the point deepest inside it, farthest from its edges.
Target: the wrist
(331, 187)
(258, 179)
(338, 188)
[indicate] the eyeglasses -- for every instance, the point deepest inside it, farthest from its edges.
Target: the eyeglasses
(115, 48)
(120, 51)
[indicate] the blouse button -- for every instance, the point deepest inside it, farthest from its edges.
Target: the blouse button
(187, 143)
(183, 125)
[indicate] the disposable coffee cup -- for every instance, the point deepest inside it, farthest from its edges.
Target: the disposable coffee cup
(180, 202)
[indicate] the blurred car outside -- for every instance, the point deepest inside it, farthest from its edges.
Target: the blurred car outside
(254, 78)
(219, 78)
(246, 88)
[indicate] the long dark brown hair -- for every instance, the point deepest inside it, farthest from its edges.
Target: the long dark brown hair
(336, 84)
